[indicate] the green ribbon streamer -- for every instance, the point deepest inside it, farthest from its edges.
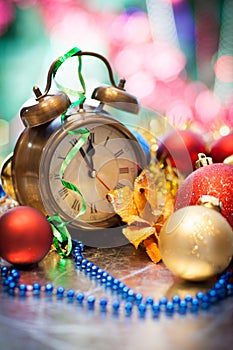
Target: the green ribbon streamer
(68, 91)
(61, 236)
(74, 150)
(60, 232)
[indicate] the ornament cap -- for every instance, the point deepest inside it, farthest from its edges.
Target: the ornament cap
(203, 160)
(210, 202)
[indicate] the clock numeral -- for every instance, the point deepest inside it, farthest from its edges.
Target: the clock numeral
(56, 177)
(73, 141)
(93, 208)
(124, 170)
(61, 157)
(76, 205)
(118, 153)
(119, 185)
(63, 192)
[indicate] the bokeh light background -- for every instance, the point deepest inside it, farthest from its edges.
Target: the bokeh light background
(176, 56)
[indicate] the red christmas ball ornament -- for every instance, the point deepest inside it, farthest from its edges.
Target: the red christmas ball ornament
(222, 148)
(25, 235)
(182, 148)
(211, 183)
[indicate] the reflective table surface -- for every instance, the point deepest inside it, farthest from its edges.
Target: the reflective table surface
(45, 322)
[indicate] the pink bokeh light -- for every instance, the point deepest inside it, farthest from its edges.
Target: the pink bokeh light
(223, 68)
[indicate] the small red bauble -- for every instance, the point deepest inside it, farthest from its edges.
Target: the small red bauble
(222, 148)
(25, 236)
(182, 148)
(214, 180)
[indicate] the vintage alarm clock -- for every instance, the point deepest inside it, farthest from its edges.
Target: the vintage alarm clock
(106, 156)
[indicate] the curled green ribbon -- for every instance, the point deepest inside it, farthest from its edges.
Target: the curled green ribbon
(62, 239)
(61, 236)
(60, 61)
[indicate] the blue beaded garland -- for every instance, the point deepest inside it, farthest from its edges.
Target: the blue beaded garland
(222, 288)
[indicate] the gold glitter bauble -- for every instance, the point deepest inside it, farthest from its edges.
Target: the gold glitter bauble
(196, 243)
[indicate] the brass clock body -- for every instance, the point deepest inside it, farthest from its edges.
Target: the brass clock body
(110, 158)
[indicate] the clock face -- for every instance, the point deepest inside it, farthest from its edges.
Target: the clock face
(109, 159)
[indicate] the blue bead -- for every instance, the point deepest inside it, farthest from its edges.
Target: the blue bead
(115, 284)
(217, 285)
(109, 281)
(100, 271)
(70, 294)
(104, 277)
(128, 307)
(156, 308)
(4, 270)
(91, 301)
(183, 304)
(200, 295)
(80, 297)
(188, 298)
(176, 299)
(229, 289)
(2, 192)
(115, 305)
(22, 288)
(142, 309)
(130, 295)
(105, 274)
(195, 304)
(121, 286)
(213, 295)
(8, 280)
(170, 307)
(49, 288)
(89, 266)
(222, 282)
(78, 260)
(12, 285)
(36, 287)
(15, 274)
(163, 301)
(221, 293)
(149, 301)
(76, 251)
(138, 298)
(103, 304)
(205, 302)
(60, 291)
(94, 269)
(125, 291)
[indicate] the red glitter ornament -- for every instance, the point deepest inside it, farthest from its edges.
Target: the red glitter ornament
(182, 148)
(222, 148)
(214, 180)
(25, 236)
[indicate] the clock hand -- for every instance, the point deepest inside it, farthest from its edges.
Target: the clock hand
(90, 151)
(83, 154)
(92, 172)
